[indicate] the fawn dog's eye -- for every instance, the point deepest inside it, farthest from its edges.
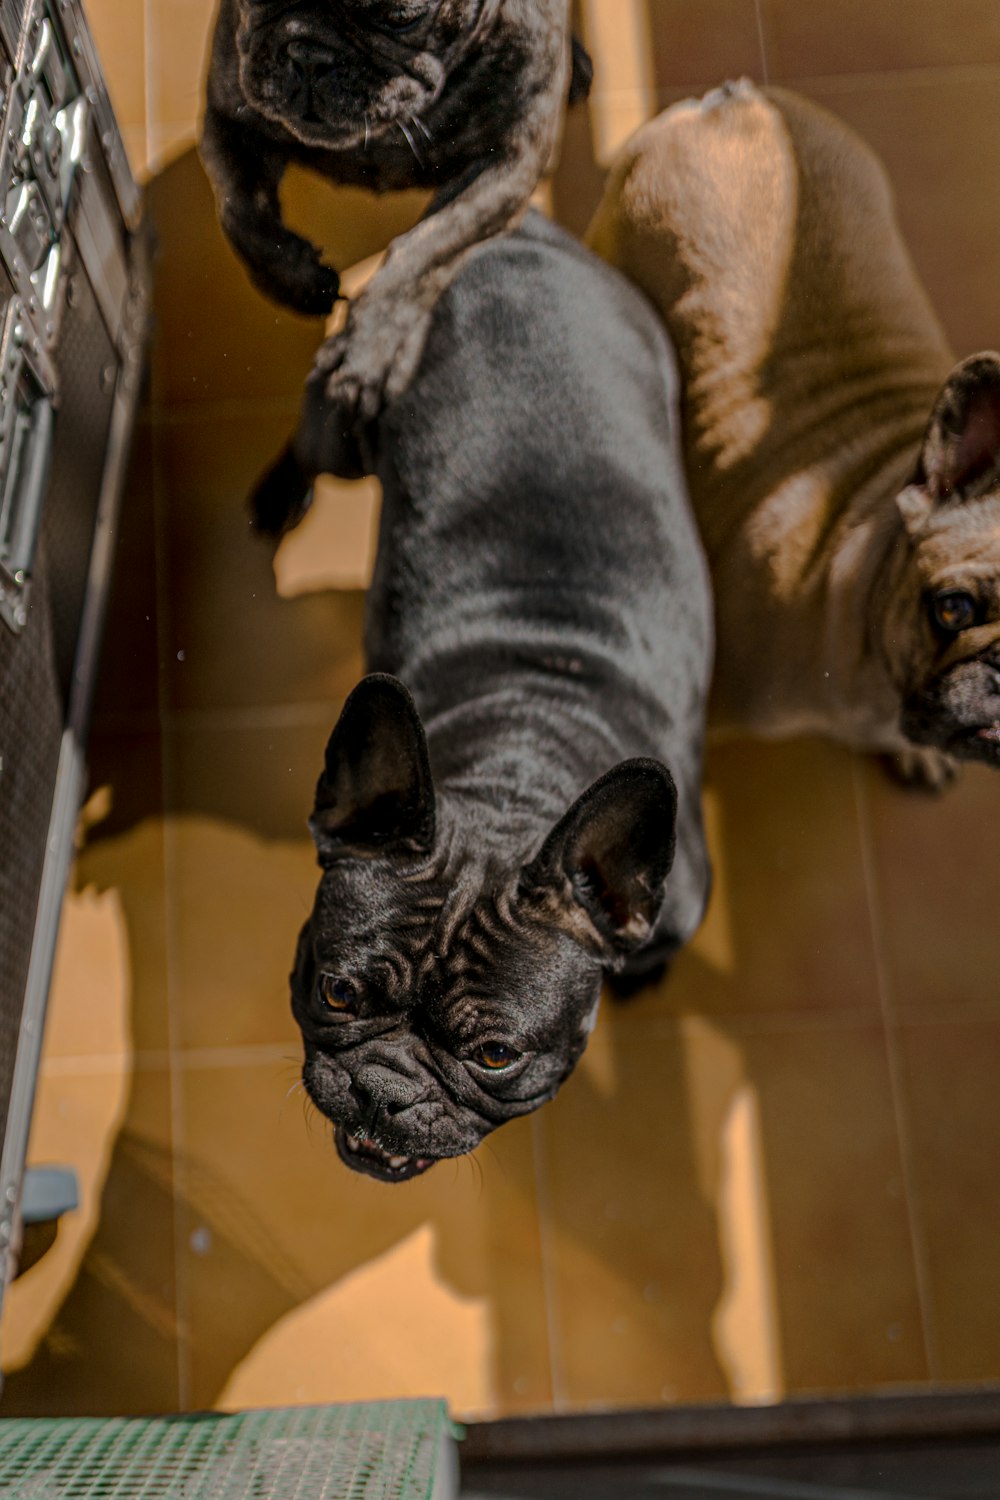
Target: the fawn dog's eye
(496, 1057)
(338, 994)
(954, 610)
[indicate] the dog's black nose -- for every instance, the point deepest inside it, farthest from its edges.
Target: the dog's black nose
(385, 1088)
(309, 60)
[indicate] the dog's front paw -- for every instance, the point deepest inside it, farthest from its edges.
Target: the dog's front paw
(301, 282)
(284, 266)
(375, 358)
(921, 770)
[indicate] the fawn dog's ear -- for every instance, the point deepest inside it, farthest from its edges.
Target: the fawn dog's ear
(960, 456)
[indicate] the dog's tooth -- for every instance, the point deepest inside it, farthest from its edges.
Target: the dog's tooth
(398, 1161)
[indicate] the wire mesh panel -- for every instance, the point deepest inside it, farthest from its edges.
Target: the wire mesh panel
(31, 722)
(400, 1450)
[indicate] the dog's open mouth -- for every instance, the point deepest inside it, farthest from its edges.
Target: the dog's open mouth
(980, 742)
(363, 1155)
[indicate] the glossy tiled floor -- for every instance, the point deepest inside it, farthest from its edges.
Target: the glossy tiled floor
(776, 1174)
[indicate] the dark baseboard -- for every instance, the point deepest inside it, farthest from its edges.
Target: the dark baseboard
(912, 1417)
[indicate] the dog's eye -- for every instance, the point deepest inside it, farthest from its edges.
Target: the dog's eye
(954, 610)
(496, 1057)
(338, 994)
(400, 22)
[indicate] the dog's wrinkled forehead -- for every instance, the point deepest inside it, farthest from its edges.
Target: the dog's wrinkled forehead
(963, 540)
(440, 935)
(394, 27)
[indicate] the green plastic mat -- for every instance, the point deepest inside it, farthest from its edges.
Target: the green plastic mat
(397, 1450)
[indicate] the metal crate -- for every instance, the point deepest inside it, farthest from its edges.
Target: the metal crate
(399, 1450)
(73, 309)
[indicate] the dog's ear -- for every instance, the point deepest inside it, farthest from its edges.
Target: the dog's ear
(375, 792)
(960, 457)
(602, 869)
(582, 75)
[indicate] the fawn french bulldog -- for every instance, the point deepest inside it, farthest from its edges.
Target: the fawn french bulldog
(844, 473)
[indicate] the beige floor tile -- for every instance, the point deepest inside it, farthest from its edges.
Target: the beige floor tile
(725, 1216)
(793, 899)
(877, 36)
(178, 37)
(215, 338)
(125, 873)
(76, 1119)
(849, 1316)
(578, 181)
(127, 690)
(259, 777)
(89, 1012)
(348, 223)
(136, 143)
(951, 1073)
(705, 44)
(276, 1220)
(119, 29)
(929, 133)
(334, 546)
(107, 1337)
(938, 880)
(237, 902)
(632, 1249)
(233, 643)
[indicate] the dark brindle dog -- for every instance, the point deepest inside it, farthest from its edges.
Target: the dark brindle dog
(496, 842)
(463, 97)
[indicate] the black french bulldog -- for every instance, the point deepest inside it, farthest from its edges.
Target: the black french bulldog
(499, 835)
(460, 96)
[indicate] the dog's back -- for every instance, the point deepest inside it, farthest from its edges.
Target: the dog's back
(539, 584)
(764, 231)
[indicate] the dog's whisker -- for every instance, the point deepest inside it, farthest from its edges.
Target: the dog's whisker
(408, 135)
(416, 121)
(309, 1112)
(368, 132)
(487, 1145)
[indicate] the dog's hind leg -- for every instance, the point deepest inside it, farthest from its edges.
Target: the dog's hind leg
(325, 442)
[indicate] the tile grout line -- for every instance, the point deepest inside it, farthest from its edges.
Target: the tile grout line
(560, 1396)
(765, 75)
(170, 870)
(890, 1023)
(163, 620)
(925, 76)
(147, 74)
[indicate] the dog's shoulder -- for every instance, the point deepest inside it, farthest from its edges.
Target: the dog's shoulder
(541, 287)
